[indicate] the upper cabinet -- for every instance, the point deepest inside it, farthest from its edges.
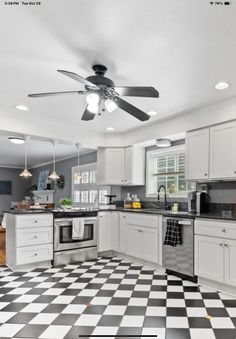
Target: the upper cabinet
(209, 154)
(121, 166)
(222, 154)
(197, 155)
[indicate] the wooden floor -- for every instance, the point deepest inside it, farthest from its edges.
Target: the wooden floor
(2, 246)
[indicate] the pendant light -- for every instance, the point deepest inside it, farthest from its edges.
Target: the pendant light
(78, 176)
(25, 173)
(54, 175)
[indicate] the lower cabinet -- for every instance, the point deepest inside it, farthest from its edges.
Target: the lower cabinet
(129, 233)
(215, 255)
(230, 266)
(108, 231)
(139, 236)
(209, 258)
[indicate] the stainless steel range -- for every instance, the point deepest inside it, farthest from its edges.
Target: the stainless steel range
(68, 250)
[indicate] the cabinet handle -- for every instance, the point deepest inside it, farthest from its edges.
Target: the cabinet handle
(36, 221)
(35, 254)
(234, 172)
(205, 174)
(226, 245)
(224, 230)
(221, 245)
(35, 237)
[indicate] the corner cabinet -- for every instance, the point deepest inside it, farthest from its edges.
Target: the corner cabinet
(215, 251)
(121, 166)
(197, 155)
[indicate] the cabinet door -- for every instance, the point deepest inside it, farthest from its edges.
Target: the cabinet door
(128, 165)
(230, 266)
(122, 227)
(197, 155)
(115, 166)
(115, 231)
(209, 258)
(222, 154)
(150, 243)
(134, 240)
(104, 231)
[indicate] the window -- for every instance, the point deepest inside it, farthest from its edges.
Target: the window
(85, 191)
(167, 167)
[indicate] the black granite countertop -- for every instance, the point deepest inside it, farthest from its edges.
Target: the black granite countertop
(181, 214)
(93, 212)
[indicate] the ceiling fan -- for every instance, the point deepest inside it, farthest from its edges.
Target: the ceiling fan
(101, 91)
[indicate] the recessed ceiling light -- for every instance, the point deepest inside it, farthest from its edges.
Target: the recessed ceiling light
(110, 129)
(151, 113)
(17, 140)
(222, 85)
(22, 108)
(163, 142)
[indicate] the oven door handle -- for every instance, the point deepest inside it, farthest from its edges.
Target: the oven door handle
(70, 220)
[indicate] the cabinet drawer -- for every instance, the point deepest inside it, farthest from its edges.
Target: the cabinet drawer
(35, 220)
(216, 228)
(141, 219)
(31, 254)
(34, 236)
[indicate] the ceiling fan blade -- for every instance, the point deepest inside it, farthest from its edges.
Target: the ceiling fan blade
(87, 115)
(134, 111)
(131, 91)
(39, 95)
(78, 78)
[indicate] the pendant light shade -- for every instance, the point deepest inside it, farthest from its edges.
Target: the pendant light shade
(25, 173)
(53, 176)
(78, 175)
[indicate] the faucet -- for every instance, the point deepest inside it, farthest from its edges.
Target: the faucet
(158, 195)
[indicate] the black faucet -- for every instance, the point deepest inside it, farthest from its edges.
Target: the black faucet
(158, 195)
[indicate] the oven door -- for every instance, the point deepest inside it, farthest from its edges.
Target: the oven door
(63, 234)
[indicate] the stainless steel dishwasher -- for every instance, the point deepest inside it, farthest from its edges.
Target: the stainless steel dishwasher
(179, 260)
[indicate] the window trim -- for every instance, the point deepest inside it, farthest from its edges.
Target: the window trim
(172, 150)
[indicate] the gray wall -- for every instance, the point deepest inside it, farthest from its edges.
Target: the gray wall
(64, 168)
(223, 192)
(19, 187)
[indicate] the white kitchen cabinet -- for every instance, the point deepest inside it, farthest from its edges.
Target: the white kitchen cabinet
(215, 250)
(197, 155)
(115, 237)
(150, 238)
(229, 264)
(209, 258)
(139, 236)
(222, 155)
(133, 240)
(104, 231)
(110, 166)
(108, 231)
(29, 239)
(121, 166)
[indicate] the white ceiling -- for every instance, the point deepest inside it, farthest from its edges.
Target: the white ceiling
(40, 151)
(182, 48)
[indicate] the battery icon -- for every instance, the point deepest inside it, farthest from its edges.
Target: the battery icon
(227, 3)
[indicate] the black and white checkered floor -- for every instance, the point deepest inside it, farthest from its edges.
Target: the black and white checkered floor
(110, 296)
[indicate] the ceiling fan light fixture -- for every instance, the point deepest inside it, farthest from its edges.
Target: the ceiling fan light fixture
(17, 140)
(92, 99)
(163, 143)
(25, 173)
(93, 108)
(110, 105)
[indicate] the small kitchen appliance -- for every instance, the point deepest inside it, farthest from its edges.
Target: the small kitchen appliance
(202, 202)
(192, 202)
